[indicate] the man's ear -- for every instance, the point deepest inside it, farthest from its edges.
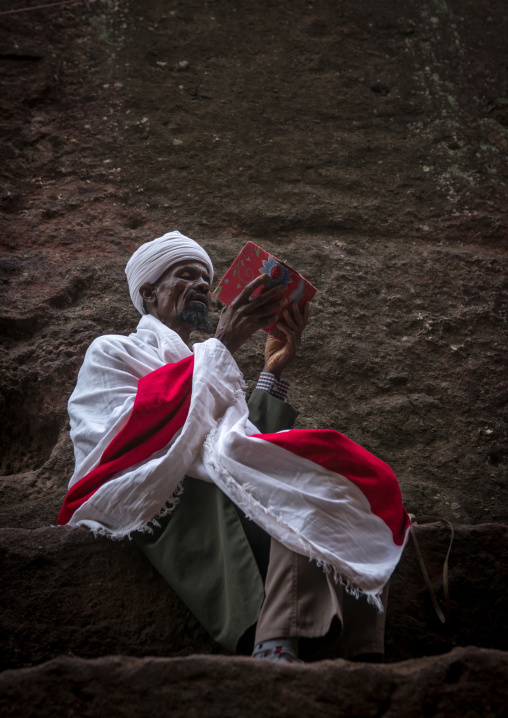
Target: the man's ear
(149, 295)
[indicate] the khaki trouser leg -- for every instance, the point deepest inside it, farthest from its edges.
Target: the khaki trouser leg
(363, 627)
(301, 600)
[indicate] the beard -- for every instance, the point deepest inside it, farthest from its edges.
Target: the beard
(197, 316)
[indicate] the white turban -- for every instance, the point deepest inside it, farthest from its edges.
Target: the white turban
(152, 259)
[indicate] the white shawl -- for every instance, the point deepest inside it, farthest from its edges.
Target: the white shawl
(310, 509)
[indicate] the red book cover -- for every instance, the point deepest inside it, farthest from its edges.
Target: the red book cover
(252, 261)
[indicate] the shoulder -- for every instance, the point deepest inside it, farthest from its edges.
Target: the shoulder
(109, 349)
(125, 353)
(109, 364)
(110, 343)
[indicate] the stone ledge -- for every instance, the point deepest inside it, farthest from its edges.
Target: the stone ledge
(65, 592)
(218, 687)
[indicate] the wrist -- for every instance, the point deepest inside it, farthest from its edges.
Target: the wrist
(277, 388)
(227, 343)
(277, 373)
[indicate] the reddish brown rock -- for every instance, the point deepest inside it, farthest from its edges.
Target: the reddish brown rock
(63, 591)
(467, 683)
(363, 142)
(478, 580)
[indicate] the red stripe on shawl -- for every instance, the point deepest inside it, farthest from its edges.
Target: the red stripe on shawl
(160, 409)
(335, 452)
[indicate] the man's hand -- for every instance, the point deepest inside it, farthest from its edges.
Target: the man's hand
(242, 318)
(279, 354)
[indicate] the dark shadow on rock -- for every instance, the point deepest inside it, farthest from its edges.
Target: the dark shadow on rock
(67, 592)
(224, 687)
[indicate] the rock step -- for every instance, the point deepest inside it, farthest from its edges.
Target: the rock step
(453, 684)
(66, 592)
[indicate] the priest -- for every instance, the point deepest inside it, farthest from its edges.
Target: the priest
(274, 537)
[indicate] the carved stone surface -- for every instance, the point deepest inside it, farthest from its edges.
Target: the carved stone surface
(468, 682)
(365, 143)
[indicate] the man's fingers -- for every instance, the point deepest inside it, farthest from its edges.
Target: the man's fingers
(292, 321)
(266, 295)
(263, 316)
(289, 327)
(283, 328)
(271, 294)
(251, 287)
(270, 308)
(269, 313)
(301, 315)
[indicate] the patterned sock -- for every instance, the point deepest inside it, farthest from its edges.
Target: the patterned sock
(275, 649)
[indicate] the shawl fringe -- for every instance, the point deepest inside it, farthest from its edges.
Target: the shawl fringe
(146, 528)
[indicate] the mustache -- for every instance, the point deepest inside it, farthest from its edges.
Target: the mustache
(200, 296)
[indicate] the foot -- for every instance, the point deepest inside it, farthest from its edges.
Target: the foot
(279, 654)
(281, 650)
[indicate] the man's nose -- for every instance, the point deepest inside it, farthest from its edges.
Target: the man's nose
(202, 284)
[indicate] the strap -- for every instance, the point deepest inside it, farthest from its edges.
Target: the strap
(431, 519)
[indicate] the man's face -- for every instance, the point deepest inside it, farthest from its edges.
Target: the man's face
(183, 296)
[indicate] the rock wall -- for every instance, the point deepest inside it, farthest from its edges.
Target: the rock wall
(67, 592)
(450, 685)
(363, 142)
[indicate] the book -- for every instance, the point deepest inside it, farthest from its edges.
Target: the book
(252, 261)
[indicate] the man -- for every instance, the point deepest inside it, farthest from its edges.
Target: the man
(168, 452)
